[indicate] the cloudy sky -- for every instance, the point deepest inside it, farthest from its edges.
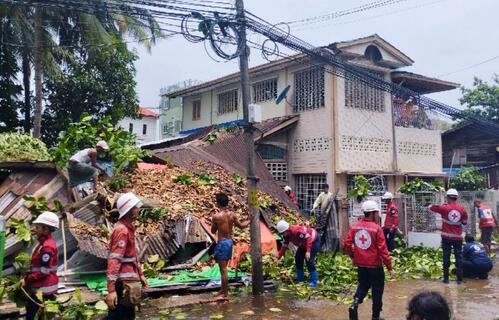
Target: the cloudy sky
(450, 39)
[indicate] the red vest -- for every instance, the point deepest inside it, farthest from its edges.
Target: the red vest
(365, 244)
(300, 236)
(453, 218)
(392, 216)
(122, 263)
(486, 217)
(43, 267)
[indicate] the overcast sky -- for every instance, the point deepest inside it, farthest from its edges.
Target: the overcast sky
(441, 36)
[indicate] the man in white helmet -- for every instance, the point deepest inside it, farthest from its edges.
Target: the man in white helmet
(391, 220)
(82, 166)
(123, 263)
(365, 244)
(42, 274)
(291, 195)
(454, 219)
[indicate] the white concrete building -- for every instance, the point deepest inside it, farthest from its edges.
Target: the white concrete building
(146, 127)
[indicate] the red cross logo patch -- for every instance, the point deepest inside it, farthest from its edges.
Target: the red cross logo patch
(362, 239)
(454, 216)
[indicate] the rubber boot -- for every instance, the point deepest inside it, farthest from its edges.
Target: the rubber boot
(300, 275)
(446, 276)
(314, 278)
(352, 310)
(459, 275)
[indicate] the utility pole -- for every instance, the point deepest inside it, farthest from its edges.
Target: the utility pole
(256, 252)
(37, 123)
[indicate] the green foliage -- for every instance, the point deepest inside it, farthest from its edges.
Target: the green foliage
(21, 228)
(37, 205)
(152, 214)
(87, 132)
(205, 179)
(360, 189)
(80, 310)
(212, 138)
(419, 185)
(183, 179)
(18, 147)
(22, 261)
(483, 99)
(116, 184)
(153, 266)
(237, 179)
(418, 262)
(468, 179)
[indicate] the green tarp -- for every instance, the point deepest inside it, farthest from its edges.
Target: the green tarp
(98, 281)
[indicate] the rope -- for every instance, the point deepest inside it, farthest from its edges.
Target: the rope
(30, 298)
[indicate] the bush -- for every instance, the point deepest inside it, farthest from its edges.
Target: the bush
(21, 147)
(87, 132)
(468, 179)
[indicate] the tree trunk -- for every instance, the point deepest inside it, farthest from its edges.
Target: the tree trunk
(27, 91)
(38, 72)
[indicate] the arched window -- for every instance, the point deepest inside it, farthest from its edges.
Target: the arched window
(372, 53)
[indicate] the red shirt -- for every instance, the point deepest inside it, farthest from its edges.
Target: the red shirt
(300, 236)
(453, 218)
(486, 217)
(293, 198)
(365, 244)
(123, 262)
(43, 267)
(392, 216)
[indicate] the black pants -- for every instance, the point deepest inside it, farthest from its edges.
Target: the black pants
(121, 312)
(32, 308)
(390, 239)
(457, 247)
(474, 270)
(300, 255)
(373, 278)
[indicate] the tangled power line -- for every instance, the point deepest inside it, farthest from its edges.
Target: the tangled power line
(216, 24)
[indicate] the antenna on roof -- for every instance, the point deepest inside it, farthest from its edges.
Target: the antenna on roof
(282, 95)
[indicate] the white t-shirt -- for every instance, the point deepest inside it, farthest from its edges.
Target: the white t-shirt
(82, 156)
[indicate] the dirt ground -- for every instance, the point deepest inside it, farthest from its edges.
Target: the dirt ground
(475, 299)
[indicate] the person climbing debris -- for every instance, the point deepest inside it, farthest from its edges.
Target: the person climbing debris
(365, 244)
(323, 200)
(391, 220)
(82, 166)
(42, 274)
(308, 242)
(222, 224)
(454, 219)
(476, 261)
(291, 195)
(487, 224)
(123, 267)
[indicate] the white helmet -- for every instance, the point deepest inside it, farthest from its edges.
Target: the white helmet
(127, 202)
(282, 226)
(370, 206)
(48, 219)
(287, 188)
(452, 193)
(103, 144)
(387, 196)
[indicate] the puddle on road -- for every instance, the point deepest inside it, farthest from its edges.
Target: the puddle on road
(476, 299)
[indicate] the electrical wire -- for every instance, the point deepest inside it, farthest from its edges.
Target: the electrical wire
(470, 67)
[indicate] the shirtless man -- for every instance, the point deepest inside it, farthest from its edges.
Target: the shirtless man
(222, 223)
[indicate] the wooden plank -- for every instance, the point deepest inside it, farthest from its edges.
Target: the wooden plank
(27, 165)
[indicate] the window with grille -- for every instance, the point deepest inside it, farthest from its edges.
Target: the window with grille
(360, 95)
(165, 128)
(308, 187)
(309, 89)
(227, 101)
(271, 152)
(196, 110)
(279, 170)
(378, 184)
(265, 90)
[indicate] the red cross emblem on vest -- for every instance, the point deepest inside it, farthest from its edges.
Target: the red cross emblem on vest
(454, 216)
(362, 239)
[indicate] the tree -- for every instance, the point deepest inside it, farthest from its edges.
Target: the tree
(101, 85)
(483, 99)
(468, 179)
(9, 89)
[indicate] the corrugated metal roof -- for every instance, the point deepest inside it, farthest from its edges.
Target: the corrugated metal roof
(91, 243)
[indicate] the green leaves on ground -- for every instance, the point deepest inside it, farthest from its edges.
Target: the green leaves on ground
(153, 214)
(183, 179)
(87, 132)
(153, 266)
(237, 178)
(205, 179)
(21, 147)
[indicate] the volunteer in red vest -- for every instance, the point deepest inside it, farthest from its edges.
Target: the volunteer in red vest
(308, 242)
(454, 219)
(291, 195)
(487, 224)
(391, 220)
(123, 262)
(42, 274)
(365, 244)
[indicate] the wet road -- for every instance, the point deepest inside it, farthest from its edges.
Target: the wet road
(475, 299)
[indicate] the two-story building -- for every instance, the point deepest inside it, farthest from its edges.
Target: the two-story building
(345, 127)
(146, 126)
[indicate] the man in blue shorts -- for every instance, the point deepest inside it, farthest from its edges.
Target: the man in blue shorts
(222, 223)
